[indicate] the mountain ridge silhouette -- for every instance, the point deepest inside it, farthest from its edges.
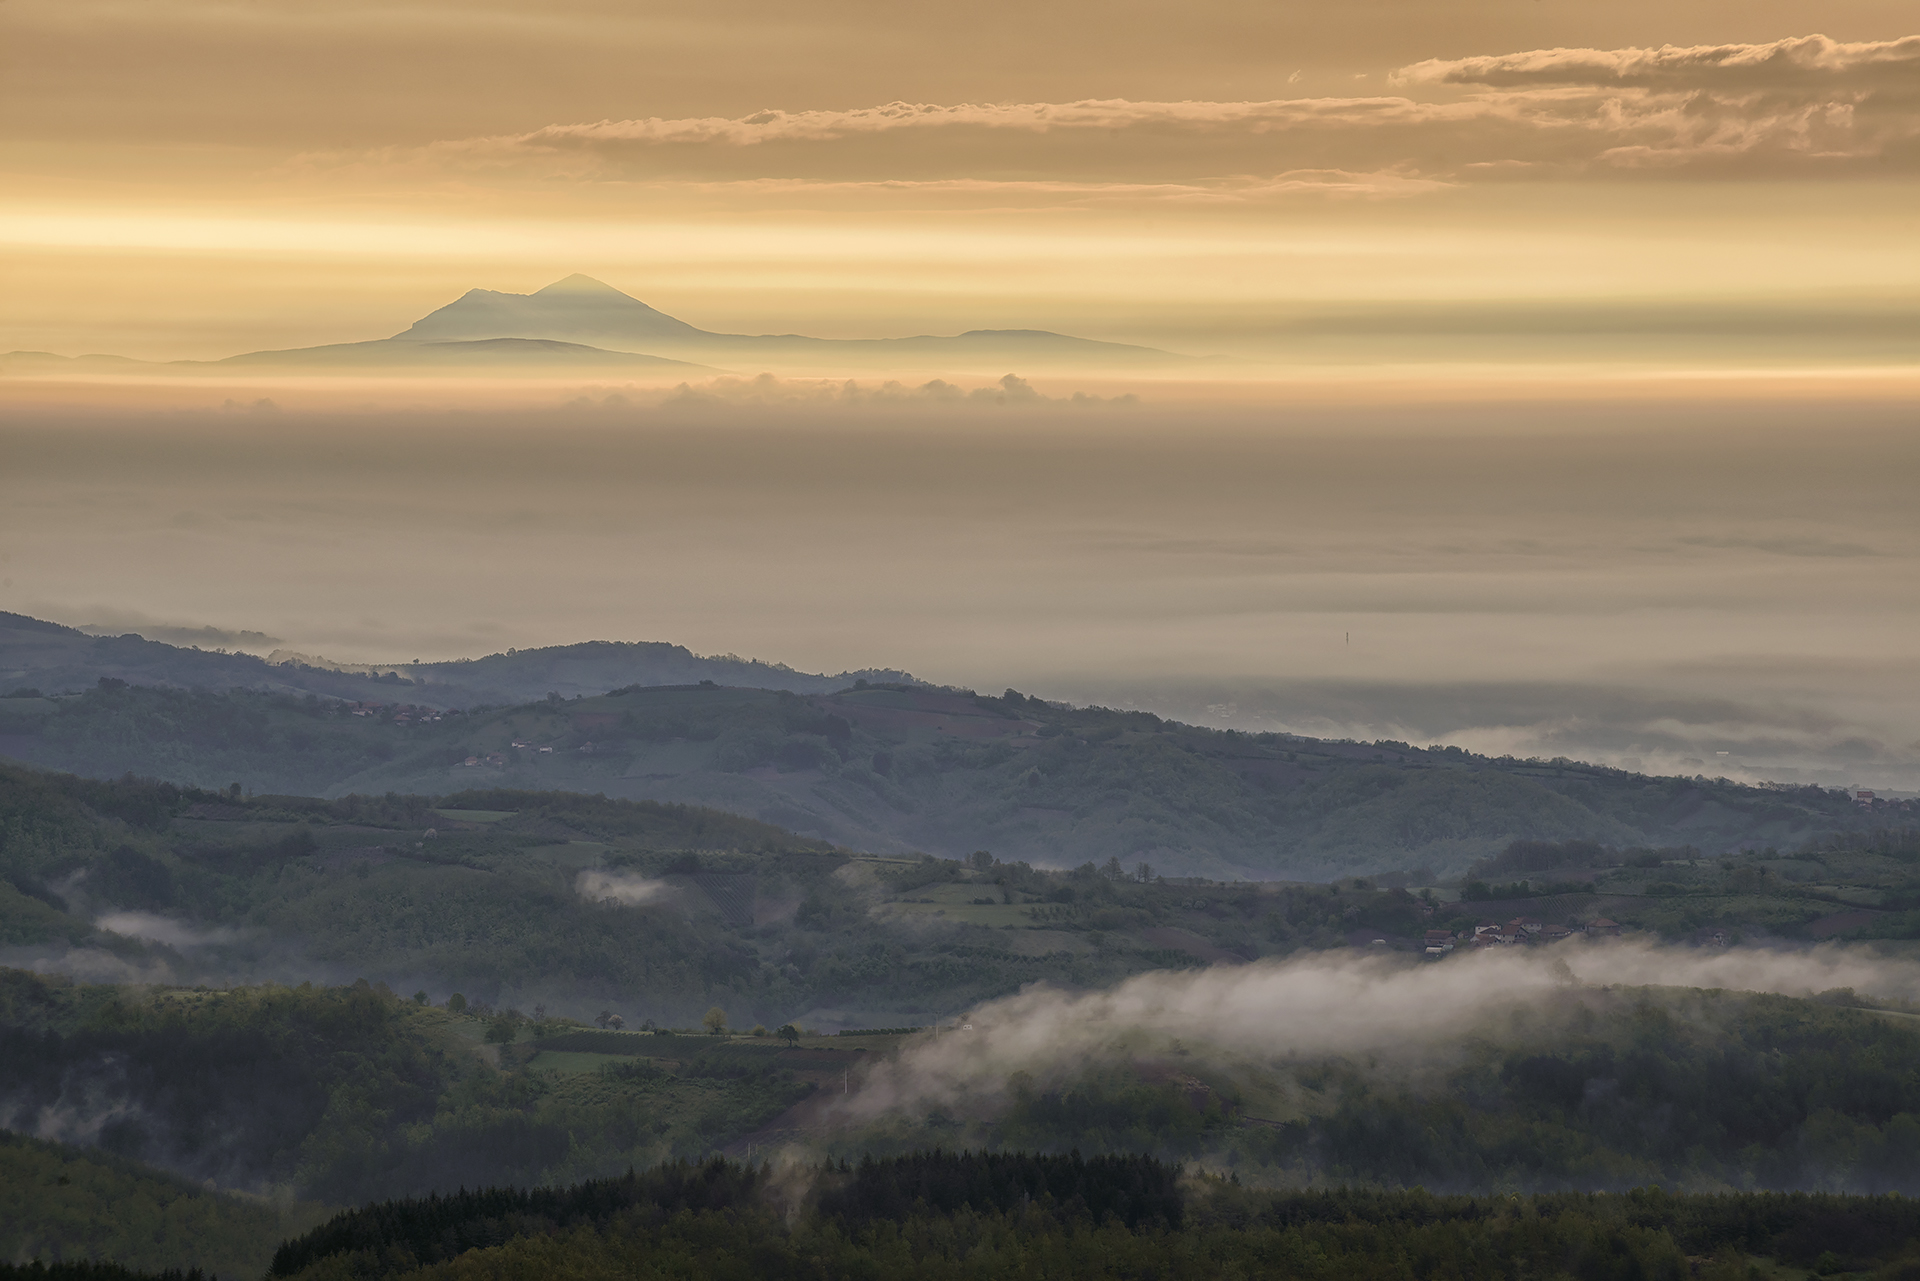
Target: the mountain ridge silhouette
(579, 321)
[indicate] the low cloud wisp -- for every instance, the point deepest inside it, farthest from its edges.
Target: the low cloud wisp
(151, 927)
(1318, 1005)
(621, 888)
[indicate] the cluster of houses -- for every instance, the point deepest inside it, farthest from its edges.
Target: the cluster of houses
(499, 759)
(1869, 799)
(400, 713)
(1521, 931)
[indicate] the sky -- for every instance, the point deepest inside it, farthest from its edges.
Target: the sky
(1563, 400)
(1297, 183)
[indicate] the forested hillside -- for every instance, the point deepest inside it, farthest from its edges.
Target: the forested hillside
(660, 911)
(345, 1094)
(908, 769)
(348, 1094)
(963, 1215)
(59, 1202)
(1598, 1090)
(499, 955)
(340, 1094)
(580, 904)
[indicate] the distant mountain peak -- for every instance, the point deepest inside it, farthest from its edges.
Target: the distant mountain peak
(585, 312)
(581, 284)
(578, 309)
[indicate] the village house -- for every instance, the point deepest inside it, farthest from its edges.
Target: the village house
(1603, 928)
(1439, 942)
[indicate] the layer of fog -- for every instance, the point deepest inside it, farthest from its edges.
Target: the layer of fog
(1614, 579)
(1732, 724)
(1007, 390)
(154, 928)
(1324, 1003)
(90, 964)
(622, 888)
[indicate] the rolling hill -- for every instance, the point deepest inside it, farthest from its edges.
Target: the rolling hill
(52, 658)
(889, 768)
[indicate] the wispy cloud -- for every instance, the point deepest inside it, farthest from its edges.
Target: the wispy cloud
(1031, 117)
(1806, 100)
(621, 888)
(1738, 109)
(154, 928)
(1225, 189)
(1327, 1003)
(1803, 62)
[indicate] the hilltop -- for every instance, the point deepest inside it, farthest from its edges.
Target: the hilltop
(870, 760)
(52, 658)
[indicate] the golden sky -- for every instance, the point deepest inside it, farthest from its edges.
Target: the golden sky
(185, 178)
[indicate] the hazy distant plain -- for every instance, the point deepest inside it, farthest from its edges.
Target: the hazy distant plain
(1711, 585)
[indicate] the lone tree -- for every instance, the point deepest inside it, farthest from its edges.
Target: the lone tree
(715, 1021)
(788, 1033)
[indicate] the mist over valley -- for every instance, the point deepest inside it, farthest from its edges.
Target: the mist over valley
(1244, 640)
(299, 907)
